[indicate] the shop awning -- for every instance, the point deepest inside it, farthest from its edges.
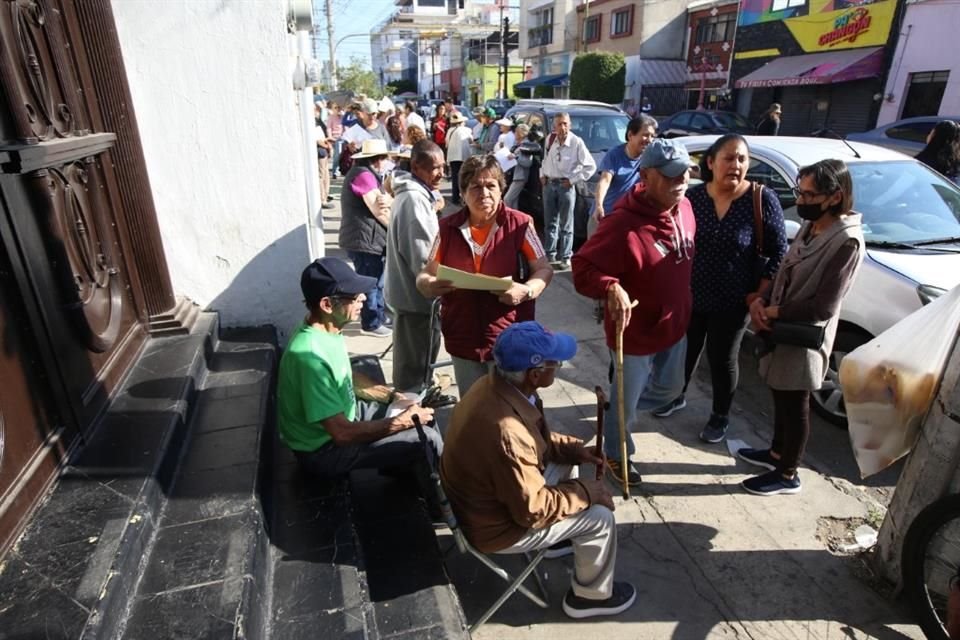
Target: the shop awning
(828, 67)
(550, 81)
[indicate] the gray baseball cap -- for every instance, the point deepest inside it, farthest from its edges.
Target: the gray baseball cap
(666, 155)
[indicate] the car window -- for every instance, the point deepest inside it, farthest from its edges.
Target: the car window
(912, 131)
(770, 177)
(520, 116)
(733, 121)
(701, 121)
(600, 132)
(681, 120)
(904, 201)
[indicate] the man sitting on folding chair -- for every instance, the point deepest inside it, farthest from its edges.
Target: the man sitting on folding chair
(512, 482)
(318, 414)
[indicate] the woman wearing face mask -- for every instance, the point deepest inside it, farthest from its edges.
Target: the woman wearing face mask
(809, 287)
(725, 269)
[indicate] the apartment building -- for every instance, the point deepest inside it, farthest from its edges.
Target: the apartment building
(548, 36)
(711, 34)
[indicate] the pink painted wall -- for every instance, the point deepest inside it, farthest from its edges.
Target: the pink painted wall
(933, 28)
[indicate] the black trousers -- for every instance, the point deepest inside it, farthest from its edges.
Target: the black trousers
(722, 331)
(455, 181)
(791, 428)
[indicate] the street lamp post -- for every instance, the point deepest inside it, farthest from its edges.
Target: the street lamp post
(333, 56)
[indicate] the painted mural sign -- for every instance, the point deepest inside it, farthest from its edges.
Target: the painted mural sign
(824, 25)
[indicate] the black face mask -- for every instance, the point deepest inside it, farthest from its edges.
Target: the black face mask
(810, 212)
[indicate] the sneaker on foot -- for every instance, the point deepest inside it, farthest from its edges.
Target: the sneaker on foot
(670, 408)
(328, 205)
(564, 265)
(559, 550)
(716, 429)
(633, 475)
(379, 332)
(771, 483)
(622, 598)
(758, 457)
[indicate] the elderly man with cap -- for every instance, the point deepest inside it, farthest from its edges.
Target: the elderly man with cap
(459, 139)
(367, 127)
(513, 483)
(318, 415)
(566, 162)
(644, 256)
(507, 138)
(489, 132)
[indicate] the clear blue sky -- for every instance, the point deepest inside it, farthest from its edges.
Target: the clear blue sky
(350, 16)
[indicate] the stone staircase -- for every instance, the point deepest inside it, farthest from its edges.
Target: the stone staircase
(183, 517)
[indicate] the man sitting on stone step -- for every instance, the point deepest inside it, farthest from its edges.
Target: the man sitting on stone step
(512, 482)
(319, 417)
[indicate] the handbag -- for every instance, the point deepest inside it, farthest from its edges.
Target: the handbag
(761, 261)
(797, 334)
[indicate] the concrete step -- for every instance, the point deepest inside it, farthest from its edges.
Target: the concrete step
(70, 571)
(205, 574)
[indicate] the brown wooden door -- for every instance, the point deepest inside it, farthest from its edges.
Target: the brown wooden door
(66, 239)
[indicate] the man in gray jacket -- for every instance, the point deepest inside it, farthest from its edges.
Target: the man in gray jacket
(413, 227)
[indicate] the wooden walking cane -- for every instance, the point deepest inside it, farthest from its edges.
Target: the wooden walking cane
(602, 405)
(621, 414)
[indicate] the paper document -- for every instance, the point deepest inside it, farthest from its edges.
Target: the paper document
(476, 281)
(503, 157)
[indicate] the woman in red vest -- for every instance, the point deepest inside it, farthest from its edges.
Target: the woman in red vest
(489, 238)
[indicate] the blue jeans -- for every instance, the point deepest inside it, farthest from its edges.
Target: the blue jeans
(335, 160)
(373, 313)
(558, 202)
(648, 382)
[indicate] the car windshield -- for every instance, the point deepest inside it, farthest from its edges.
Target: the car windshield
(733, 121)
(600, 132)
(904, 202)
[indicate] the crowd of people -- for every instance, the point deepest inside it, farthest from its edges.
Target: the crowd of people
(678, 270)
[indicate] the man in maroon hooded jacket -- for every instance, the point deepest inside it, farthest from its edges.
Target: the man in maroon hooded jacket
(644, 252)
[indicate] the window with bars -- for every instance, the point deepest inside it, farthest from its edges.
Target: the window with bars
(591, 29)
(621, 22)
(717, 28)
(542, 32)
(924, 93)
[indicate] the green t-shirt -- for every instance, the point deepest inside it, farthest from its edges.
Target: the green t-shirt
(315, 383)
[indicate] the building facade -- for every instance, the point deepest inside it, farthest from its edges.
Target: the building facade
(824, 61)
(923, 81)
(548, 39)
(711, 35)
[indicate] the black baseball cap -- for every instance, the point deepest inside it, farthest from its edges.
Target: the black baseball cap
(329, 277)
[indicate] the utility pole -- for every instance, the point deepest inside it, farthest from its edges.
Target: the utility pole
(331, 45)
(586, 18)
(504, 53)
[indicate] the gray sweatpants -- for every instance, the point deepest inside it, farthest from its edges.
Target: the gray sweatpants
(414, 349)
(593, 534)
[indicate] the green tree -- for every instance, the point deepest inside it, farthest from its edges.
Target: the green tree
(353, 77)
(598, 76)
(401, 86)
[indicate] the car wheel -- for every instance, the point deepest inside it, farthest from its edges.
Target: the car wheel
(828, 400)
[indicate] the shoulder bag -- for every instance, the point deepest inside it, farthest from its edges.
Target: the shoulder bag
(761, 261)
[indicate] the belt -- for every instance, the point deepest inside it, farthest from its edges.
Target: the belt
(555, 179)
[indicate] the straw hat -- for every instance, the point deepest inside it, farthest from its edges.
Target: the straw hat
(456, 118)
(371, 148)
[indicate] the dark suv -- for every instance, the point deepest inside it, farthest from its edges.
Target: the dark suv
(601, 126)
(701, 122)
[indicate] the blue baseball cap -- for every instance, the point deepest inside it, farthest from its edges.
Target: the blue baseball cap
(527, 345)
(666, 155)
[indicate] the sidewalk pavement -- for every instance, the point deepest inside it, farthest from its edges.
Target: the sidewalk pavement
(708, 559)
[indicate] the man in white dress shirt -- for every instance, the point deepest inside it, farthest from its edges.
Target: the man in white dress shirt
(566, 162)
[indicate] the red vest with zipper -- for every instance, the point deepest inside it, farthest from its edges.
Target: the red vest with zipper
(472, 320)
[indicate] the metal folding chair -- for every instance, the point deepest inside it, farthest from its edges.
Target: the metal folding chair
(430, 368)
(464, 546)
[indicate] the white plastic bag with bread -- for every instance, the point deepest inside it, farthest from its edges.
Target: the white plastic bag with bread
(890, 382)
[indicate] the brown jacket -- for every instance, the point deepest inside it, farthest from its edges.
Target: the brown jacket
(494, 455)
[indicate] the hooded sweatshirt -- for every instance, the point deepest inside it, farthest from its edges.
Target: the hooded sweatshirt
(649, 252)
(410, 236)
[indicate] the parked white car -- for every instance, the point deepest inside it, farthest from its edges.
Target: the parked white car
(911, 224)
